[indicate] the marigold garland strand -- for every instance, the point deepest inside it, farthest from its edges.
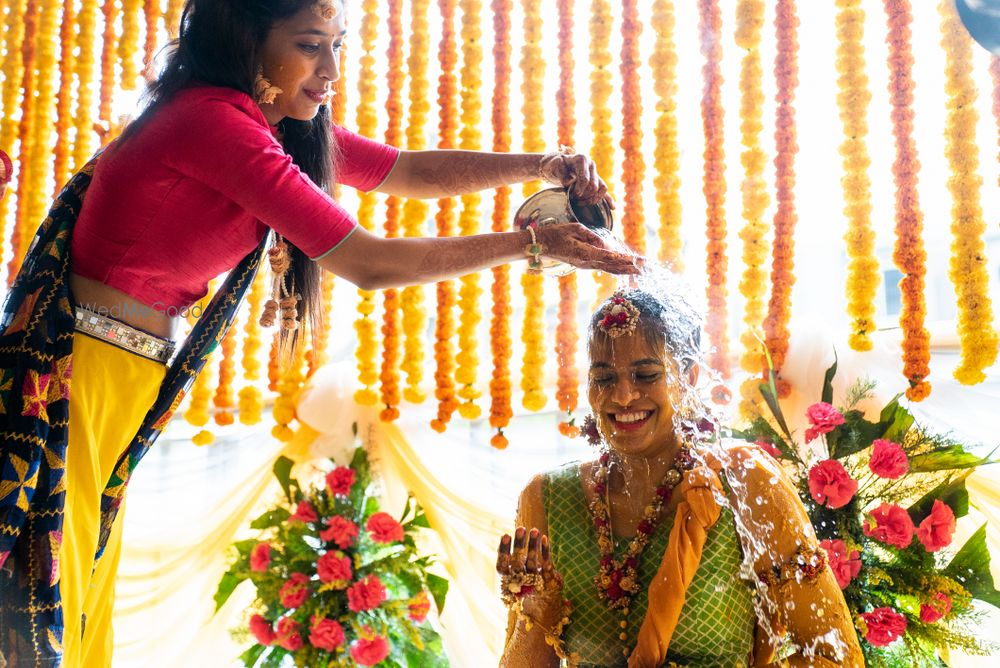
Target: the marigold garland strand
(633, 165)
(251, 401)
(25, 137)
(391, 314)
(225, 399)
(714, 188)
(84, 63)
(968, 268)
(755, 231)
(467, 359)
(172, 17)
(602, 150)
(500, 338)
(64, 98)
(444, 326)
(110, 42)
(568, 381)
(151, 14)
(12, 69)
(909, 254)
(37, 196)
(291, 379)
(129, 43)
(367, 122)
(666, 156)
(853, 100)
(786, 75)
(415, 211)
(533, 328)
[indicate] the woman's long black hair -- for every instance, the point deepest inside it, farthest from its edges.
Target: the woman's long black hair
(220, 44)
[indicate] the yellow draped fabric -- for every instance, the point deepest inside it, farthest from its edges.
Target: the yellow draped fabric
(696, 514)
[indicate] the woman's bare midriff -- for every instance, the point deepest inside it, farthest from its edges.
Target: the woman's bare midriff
(116, 304)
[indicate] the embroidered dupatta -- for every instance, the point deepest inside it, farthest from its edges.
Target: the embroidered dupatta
(36, 346)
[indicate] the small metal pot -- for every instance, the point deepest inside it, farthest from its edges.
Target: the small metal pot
(554, 206)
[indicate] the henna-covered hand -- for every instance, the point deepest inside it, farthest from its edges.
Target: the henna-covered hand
(577, 173)
(574, 244)
(532, 557)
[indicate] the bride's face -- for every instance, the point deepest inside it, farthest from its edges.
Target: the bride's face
(631, 387)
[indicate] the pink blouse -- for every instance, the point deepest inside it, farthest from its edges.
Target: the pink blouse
(195, 190)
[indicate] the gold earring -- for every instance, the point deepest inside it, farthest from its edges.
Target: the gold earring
(264, 91)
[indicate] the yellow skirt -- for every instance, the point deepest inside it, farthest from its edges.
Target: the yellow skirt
(111, 391)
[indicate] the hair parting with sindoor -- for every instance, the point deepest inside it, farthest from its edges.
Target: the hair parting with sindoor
(220, 43)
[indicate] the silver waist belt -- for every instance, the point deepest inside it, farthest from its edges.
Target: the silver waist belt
(124, 336)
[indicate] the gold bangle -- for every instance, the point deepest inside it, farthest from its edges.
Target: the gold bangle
(553, 637)
(534, 251)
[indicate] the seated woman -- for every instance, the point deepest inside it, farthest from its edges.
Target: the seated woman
(638, 558)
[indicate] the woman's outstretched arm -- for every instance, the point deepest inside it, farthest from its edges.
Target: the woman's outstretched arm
(372, 262)
(445, 173)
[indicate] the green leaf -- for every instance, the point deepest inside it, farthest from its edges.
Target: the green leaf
(951, 491)
(896, 420)
(438, 587)
(249, 657)
(226, 587)
(971, 567)
(828, 380)
(770, 394)
(419, 518)
(283, 472)
(854, 435)
(245, 546)
(271, 518)
(952, 457)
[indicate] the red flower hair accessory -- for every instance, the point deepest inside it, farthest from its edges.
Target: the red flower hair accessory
(325, 9)
(620, 316)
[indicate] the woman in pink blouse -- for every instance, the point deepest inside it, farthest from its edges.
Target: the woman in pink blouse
(234, 144)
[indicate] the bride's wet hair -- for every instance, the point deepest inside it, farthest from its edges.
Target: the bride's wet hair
(666, 320)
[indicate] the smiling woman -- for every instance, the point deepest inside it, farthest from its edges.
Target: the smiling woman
(635, 558)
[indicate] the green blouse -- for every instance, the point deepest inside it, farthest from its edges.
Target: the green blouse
(716, 626)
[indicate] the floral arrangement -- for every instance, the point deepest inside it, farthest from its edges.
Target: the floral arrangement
(339, 582)
(883, 496)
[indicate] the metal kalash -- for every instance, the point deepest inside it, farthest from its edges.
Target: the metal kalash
(554, 206)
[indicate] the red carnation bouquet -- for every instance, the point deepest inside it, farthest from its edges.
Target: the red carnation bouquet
(339, 583)
(883, 494)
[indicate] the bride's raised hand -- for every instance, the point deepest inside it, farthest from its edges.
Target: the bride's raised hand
(528, 576)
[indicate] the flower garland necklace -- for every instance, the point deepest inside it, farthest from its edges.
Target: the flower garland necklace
(617, 580)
